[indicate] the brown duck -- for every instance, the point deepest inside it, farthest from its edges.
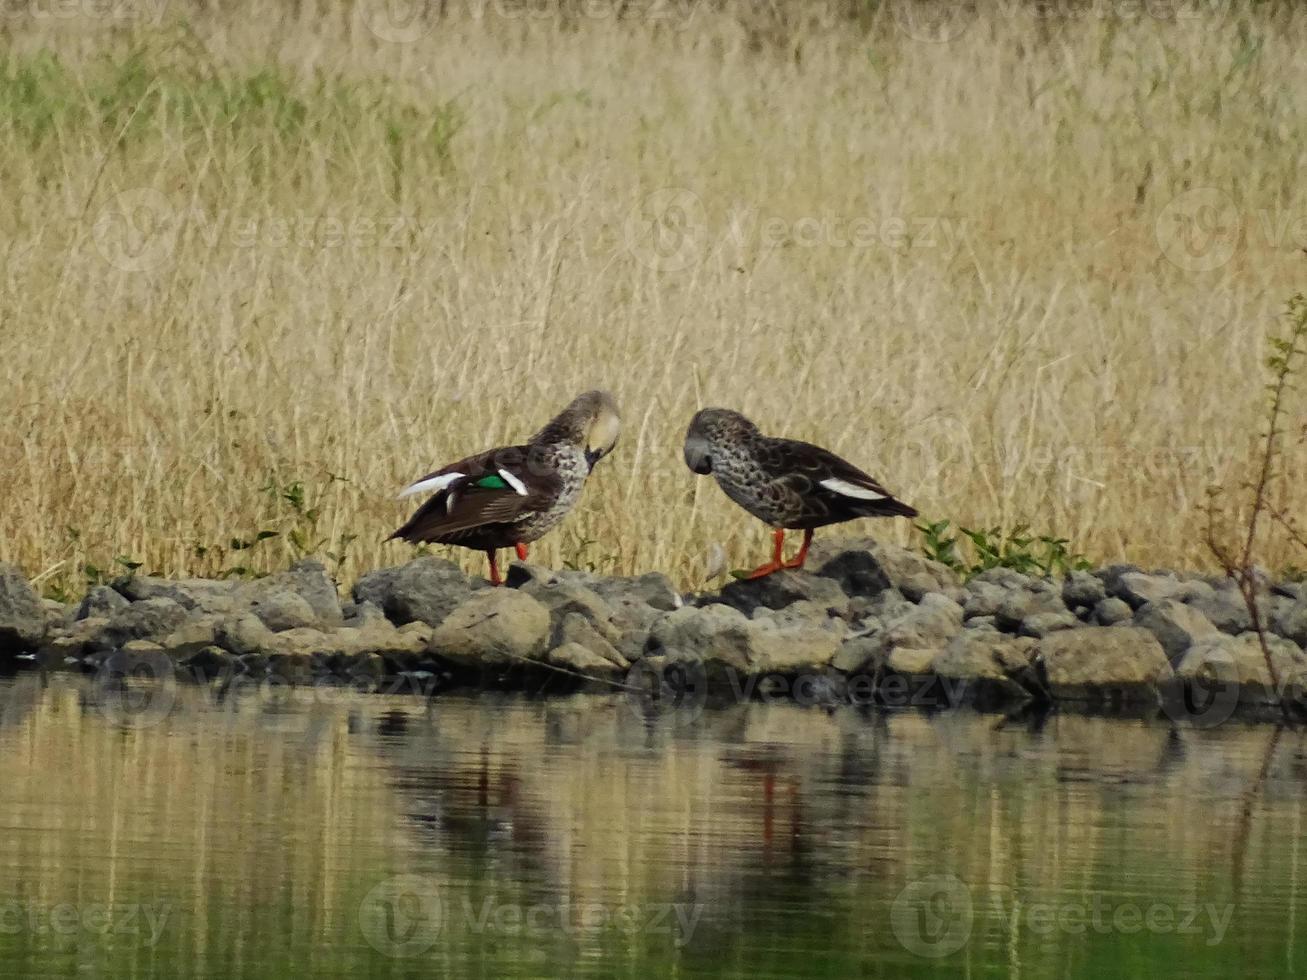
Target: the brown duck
(509, 497)
(789, 484)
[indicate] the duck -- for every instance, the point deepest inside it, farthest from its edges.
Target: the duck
(788, 484)
(511, 496)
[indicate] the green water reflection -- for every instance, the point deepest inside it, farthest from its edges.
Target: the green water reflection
(329, 833)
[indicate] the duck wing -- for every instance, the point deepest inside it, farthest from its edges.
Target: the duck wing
(494, 487)
(826, 487)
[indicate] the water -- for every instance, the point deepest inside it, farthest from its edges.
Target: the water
(308, 833)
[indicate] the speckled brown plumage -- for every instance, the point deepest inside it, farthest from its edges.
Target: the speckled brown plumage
(786, 483)
(511, 496)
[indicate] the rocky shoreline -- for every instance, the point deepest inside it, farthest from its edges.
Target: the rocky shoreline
(867, 624)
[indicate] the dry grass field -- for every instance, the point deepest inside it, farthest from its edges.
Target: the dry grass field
(265, 262)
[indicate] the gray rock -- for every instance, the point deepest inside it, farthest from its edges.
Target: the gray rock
(1111, 611)
(1097, 663)
(1136, 588)
(149, 619)
(780, 589)
(198, 594)
(990, 668)
(925, 629)
(56, 613)
(1292, 590)
(865, 566)
(494, 628)
(804, 614)
(577, 629)
(1008, 579)
(309, 580)
(244, 635)
(563, 596)
(284, 610)
(885, 606)
(191, 637)
(855, 570)
(715, 634)
(22, 617)
(858, 655)
(1083, 589)
(1111, 576)
(983, 599)
(425, 590)
(582, 660)
(1225, 609)
(100, 601)
(982, 623)
(1290, 621)
(1239, 662)
(781, 648)
(362, 615)
(1043, 623)
(1039, 598)
(653, 589)
(72, 643)
(1175, 625)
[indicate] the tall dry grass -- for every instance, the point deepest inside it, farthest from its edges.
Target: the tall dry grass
(263, 266)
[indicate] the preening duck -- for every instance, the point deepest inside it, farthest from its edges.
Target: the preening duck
(786, 483)
(511, 496)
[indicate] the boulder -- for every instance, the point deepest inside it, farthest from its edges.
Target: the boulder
(284, 610)
(1136, 588)
(1083, 589)
(22, 617)
(865, 566)
(926, 628)
(788, 648)
(714, 634)
(1290, 621)
(1037, 599)
(307, 579)
(149, 619)
(778, 590)
(574, 628)
(195, 594)
(986, 668)
(493, 628)
(984, 599)
(101, 601)
(1097, 663)
(1111, 611)
(1041, 624)
(1176, 626)
(1219, 662)
(653, 589)
(1225, 609)
(1008, 579)
(425, 590)
(581, 660)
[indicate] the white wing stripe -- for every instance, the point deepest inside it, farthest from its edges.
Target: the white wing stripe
(435, 483)
(847, 489)
(514, 482)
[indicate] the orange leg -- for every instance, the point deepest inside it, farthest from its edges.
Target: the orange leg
(802, 556)
(521, 551)
(494, 569)
(776, 563)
